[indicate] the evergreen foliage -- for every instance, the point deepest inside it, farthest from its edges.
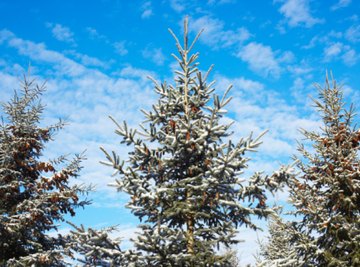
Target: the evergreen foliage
(97, 247)
(284, 242)
(326, 195)
(185, 187)
(34, 192)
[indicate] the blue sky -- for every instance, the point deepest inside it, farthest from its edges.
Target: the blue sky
(95, 56)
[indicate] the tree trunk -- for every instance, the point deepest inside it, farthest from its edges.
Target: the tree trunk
(190, 228)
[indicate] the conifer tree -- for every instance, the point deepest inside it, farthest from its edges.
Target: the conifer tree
(284, 242)
(326, 195)
(34, 192)
(185, 186)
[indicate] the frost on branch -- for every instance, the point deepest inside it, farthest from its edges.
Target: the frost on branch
(98, 248)
(34, 193)
(326, 193)
(184, 180)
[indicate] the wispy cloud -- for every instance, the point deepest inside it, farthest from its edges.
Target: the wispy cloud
(241, 85)
(6, 81)
(333, 50)
(215, 34)
(89, 95)
(155, 55)
(88, 60)
(178, 5)
(61, 32)
(350, 57)
(120, 48)
(341, 51)
(85, 96)
(261, 59)
(340, 4)
(146, 9)
(94, 34)
(298, 13)
(352, 34)
(220, 2)
(38, 52)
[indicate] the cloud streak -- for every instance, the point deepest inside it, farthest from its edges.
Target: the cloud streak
(85, 96)
(215, 35)
(260, 58)
(61, 33)
(298, 13)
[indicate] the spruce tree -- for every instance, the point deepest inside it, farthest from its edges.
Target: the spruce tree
(34, 192)
(183, 173)
(326, 194)
(282, 246)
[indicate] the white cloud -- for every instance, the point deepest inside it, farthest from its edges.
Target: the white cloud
(146, 14)
(300, 69)
(91, 61)
(94, 34)
(147, 11)
(38, 52)
(352, 34)
(298, 13)
(341, 4)
(298, 85)
(177, 5)
(61, 32)
(350, 57)
(240, 85)
(335, 34)
(312, 43)
(338, 51)
(333, 50)
(286, 57)
(220, 2)
(256, 109)
(246, 250)
(85, 96)
(215, 35)
(88, 60)
(120, 48)
(260, 58)
(155, 55)
(7, 83)
(324, 38)
(132, 72)
(300, 91)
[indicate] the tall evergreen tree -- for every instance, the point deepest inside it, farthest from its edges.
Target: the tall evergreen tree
(34, 193)
(326, 195)
(186, 187)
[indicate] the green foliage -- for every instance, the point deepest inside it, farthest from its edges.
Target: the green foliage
(186, 185)
(34, 194)
(326, 195)
(97, 247)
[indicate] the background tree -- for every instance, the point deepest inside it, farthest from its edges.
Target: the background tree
(326, 195)
(281, 248)
(34, 192)
(186, 186)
